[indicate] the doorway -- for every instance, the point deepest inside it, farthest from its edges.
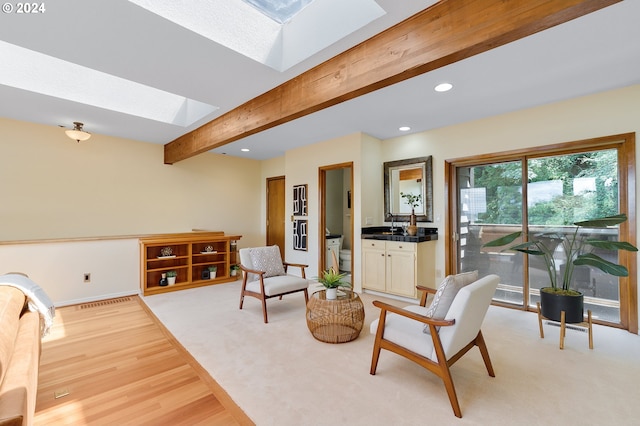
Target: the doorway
(336, 218)
(275, 212)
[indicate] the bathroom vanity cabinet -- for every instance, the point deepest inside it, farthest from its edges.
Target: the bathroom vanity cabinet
(396, 267)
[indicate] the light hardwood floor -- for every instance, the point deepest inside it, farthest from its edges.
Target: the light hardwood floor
(112, 362)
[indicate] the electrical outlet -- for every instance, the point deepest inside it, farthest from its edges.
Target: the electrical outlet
(87, 277)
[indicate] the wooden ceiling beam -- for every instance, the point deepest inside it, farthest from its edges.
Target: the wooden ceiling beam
(447, 32)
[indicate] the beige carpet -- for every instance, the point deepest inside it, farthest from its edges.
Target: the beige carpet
(280, 375)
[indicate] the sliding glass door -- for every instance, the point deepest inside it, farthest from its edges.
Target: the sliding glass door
(489, 206)
(565, 189)
(541, 193)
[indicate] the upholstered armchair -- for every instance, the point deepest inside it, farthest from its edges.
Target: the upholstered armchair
(435, 337)
(265, 276)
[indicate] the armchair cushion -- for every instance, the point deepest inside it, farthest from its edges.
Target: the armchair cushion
(403, 331)
(267, 259)
(280, 284)
(445, 294)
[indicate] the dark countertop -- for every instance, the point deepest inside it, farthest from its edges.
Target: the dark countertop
(384, 233)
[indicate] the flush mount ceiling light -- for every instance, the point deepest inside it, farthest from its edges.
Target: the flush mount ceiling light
(245, 149)
(77, 134)
(404, 128)
(443, 87)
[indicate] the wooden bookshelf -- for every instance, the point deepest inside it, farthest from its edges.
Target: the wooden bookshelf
(189, 254)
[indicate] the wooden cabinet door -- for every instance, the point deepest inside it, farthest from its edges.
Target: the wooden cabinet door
(401, 269)
(373, 266)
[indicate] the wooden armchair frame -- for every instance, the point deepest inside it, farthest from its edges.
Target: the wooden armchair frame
(261, 295)
(439, 368)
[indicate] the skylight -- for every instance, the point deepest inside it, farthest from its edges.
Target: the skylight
(39, 73)
(280, 11)
(241, 25)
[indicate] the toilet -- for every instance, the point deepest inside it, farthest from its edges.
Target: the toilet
(345, 260)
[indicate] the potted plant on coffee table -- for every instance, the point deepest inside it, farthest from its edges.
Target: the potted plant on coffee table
(578, 250)
(331, 280)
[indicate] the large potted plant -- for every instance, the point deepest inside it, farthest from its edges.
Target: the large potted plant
(331, 280)
(578, 250)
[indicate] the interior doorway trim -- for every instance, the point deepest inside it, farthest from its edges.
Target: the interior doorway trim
(322, 203)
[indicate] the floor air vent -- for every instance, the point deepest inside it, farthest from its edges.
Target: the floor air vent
(104, 303)
(568, 327)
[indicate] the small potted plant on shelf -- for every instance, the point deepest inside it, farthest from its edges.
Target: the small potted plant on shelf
(234, 270)
(171, 277)
(331, 280)
(213, 269)
(578, 250)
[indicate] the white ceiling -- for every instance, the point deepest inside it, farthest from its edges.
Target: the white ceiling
(594, 53)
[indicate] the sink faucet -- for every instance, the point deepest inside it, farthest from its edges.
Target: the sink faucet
(393, 228)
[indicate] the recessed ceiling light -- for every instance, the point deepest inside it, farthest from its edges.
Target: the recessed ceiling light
(404, 128)
(245, 149)
(443, 87)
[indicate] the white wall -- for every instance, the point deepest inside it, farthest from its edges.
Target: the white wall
(302, 168)
(59, 268)
(55, 188)
(602, 114)
(56, 191)
(592, 116)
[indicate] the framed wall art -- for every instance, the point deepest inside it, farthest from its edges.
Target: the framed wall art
(300, 200)
(300, 234)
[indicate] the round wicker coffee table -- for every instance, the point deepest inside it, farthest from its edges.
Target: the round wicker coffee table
(335, 321)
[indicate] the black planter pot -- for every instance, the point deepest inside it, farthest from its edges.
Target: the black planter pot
(551, 304)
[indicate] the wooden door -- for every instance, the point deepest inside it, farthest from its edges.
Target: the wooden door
(275, 212)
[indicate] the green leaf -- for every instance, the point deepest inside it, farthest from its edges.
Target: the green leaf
(603, 222)
(527, 251)
(596, 261)
(509, 238)
(612, 245)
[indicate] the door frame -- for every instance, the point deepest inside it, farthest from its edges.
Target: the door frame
(268, 207)
(322, 196)
(625, 144)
